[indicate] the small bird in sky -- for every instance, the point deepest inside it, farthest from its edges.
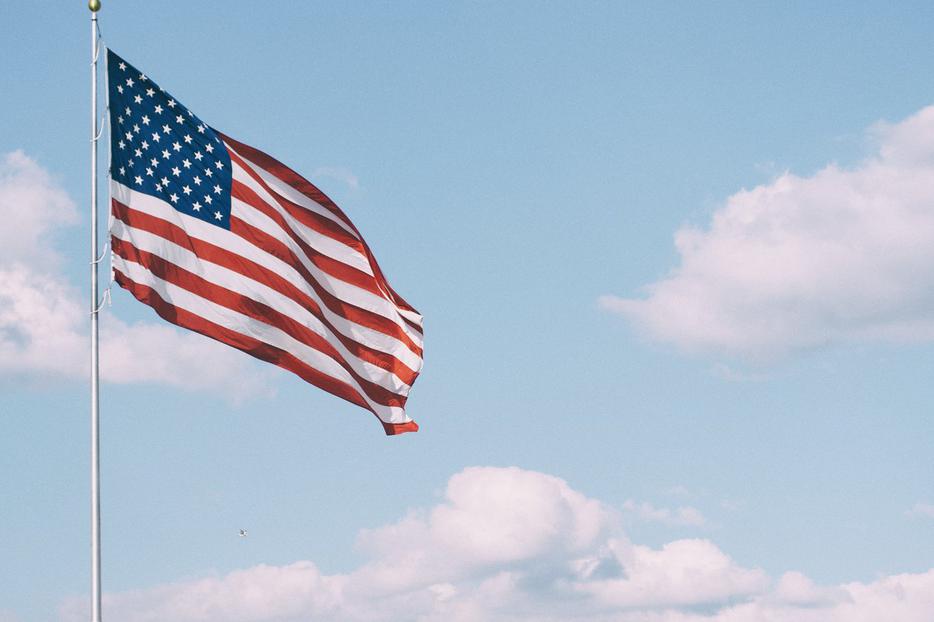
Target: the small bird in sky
(243, 533)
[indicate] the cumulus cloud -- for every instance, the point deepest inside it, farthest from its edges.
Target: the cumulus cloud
(509, 545)
(33, 207)
(43, 319)
(841, 256)
(681, 573)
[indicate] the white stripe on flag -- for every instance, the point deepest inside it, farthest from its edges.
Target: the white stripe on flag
(262, 293)
(214, 235)
(237, 322)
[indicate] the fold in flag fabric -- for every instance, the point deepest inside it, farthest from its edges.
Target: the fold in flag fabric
(224, 240)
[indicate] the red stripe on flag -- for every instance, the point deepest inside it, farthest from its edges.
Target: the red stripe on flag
(222, 257)
(302, 185)
(319, 223)
(251, 270)
(254, 347)
(329, 265)
(256, 310)
(279, 249)
(290, 177)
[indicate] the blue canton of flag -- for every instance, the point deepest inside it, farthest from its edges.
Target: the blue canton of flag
(160, 148)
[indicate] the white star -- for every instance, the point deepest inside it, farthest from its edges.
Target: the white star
(120, 120)
(165, 154)
(217, 215)
(176, 146)
(149, 171)
(186, 190)
(209, 148)
(197, 180)
(144, 145)
(217, 189)
(122, 66)
(120, 88)
(129, 135)
(139, 153)
(136, 128)
(186, 163)
(208, 199)
(130, 163)
(145, 120)
(121, 144)
(165, 181)
(143, 77)
(196, 206)
(219, 165)
(171, 103)
(179, 119)
(174, 197)
(150, 92)
(158, 187)
(166, 129)
(154, 162)
(129, 81)
(126, 111)
(139, 180)
(155, 136)
(122, 171)
(176, 171)
(201, 129)
(208, 172)
(138, 99)
(187, 139)
(190, 113)
(158, 109)
(198, 155)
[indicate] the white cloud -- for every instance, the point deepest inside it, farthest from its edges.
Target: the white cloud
(261, 593)
(841, 256)
(685, 515)
(796, 589)
(39, 316)
(490, 518)
(925, 510)
(32, 206)
(681, 573)
(508, 545)
(159, 353)
(43, 319)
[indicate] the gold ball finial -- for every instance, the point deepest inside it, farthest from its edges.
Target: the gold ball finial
(94, 5)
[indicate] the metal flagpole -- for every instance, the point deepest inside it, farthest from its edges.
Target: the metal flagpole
(94, 6)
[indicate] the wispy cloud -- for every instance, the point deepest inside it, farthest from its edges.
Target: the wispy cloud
(8, 616)
(922, 510)
(804, 262)
(43, 319)
(681, 516)
(339, 173)
(678, 490)
(505, 544)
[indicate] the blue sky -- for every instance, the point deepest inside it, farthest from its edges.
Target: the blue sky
(759, 391)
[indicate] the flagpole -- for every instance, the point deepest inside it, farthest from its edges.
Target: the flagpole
(94, 6)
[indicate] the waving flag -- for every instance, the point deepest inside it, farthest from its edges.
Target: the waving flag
(222, 239)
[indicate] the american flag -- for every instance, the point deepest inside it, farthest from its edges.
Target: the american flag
(222, 239)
